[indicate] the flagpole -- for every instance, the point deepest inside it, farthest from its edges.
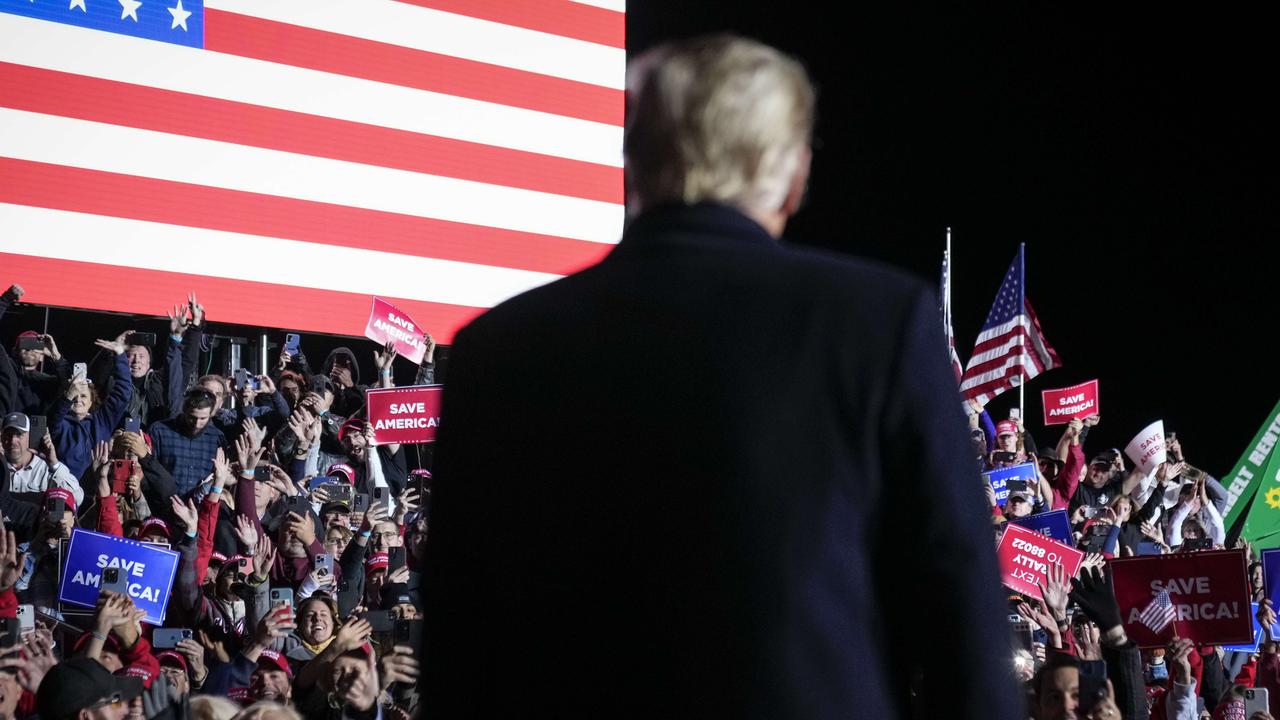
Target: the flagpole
(1022, 288)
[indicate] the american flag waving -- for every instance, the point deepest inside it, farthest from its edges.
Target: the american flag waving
(291, 158)
(1159, 612)
(956, 365)
(1011, 346)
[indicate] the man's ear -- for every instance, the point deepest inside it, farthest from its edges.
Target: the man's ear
(799, 183)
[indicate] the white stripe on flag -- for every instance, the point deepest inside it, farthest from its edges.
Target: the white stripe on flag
(110, 56)
(446, 33)
(112, 148)
(619, 5)
(156, 246)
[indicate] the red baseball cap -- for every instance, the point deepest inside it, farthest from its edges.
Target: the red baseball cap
(155, 523)
(67, 497)
(1006, 427)
(170, 657)
(377, 561)
(272, 660)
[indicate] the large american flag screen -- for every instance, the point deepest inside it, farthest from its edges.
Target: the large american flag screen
(290, 158)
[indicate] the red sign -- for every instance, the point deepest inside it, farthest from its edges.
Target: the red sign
(1209, 592)
(388, 323)
(1025, 556)
(405, 414)
(1067, 404)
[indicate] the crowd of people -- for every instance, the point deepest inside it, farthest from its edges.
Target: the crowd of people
(296, 592)
(1081, 664)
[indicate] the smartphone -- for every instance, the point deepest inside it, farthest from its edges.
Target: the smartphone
(379, 495)
(380, 620)
(55, 509)
(395, 559)
(348, 598)
(1090, 511)
(27, 618)
(292, 344)
(1014, 486)
(1255, 700)
(1021, 628)
(1197, 544)
(10, 632)
(246, 566)
(242, 378)
(361, 503)
(298, 504)
(262, 473)
(1015, 413)
(1147, 547)
(148, 339)
(133, 425)
(420, 481)
(339, 492)
(39, 426)
(318, 385)
(121, 471)
(170, 637)
(31, 343)
(113, 580)
(79, 371)
(323, 564)
(281, 596)
(407, 632)
(1157, 673)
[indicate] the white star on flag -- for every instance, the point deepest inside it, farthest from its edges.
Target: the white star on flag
(77, 4)
(179, 16)
(129, 8)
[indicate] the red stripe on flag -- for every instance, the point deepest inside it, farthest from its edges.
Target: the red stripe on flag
(252, 37)
(1000, 383)
(558, 17)
(46, 185)
(149, 292)
(147, 108)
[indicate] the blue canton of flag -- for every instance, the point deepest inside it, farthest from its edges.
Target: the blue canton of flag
(173, 21)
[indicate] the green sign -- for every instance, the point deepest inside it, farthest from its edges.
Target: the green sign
(1246, 477)
(1264, 515)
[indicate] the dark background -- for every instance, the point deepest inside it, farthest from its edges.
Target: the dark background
(1132, 152)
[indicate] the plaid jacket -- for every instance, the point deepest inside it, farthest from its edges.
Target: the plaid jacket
(189, 458)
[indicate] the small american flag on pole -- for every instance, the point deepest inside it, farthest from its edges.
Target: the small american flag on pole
(1011, 347)
(1159, 612)
(956, 365)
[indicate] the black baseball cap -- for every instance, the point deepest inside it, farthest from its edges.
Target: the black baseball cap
(75, 684)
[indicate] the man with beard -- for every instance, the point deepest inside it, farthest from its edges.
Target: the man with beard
(186, 444)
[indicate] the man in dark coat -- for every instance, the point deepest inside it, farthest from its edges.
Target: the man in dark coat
(711, 476)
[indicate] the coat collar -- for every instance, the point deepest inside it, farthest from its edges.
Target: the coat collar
(700, 224)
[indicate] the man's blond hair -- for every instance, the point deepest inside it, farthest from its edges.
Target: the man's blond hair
(718, 118)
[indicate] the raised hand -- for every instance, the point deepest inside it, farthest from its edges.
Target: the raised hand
(266, 385)
(116, 346)
(101, 454)
(221, 469)
(264, 557)
(178, 320)
(254, 431)
(11, 561)
(246, 532)
(1056, 591)
(353, 634)
(196, 309)
(383, 360)
(430, 343)
(276, 623)
(1178, 656)
(302, 528)
(185, 511)
(399, 665)
(247, 453)
(194, 653)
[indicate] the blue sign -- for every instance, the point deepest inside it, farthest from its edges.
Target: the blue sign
(1052, 524)
(999, 479)
(1271, 575)
(1257, 634)
(148, 571)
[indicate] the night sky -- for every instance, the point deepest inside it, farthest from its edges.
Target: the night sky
(1132, 153)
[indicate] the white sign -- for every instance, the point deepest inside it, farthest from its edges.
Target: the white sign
(1147, 450)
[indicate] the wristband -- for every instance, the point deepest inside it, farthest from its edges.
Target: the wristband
(247, 474)
(175, 337)
(98, 635)
(248, 553)
(215, 490)
(366, 534)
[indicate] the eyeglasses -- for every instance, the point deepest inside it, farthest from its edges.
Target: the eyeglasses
(115, 700)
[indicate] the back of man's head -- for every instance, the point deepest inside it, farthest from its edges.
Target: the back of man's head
(717, 118)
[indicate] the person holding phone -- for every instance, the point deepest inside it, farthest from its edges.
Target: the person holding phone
(82, 418)
(29, 473)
